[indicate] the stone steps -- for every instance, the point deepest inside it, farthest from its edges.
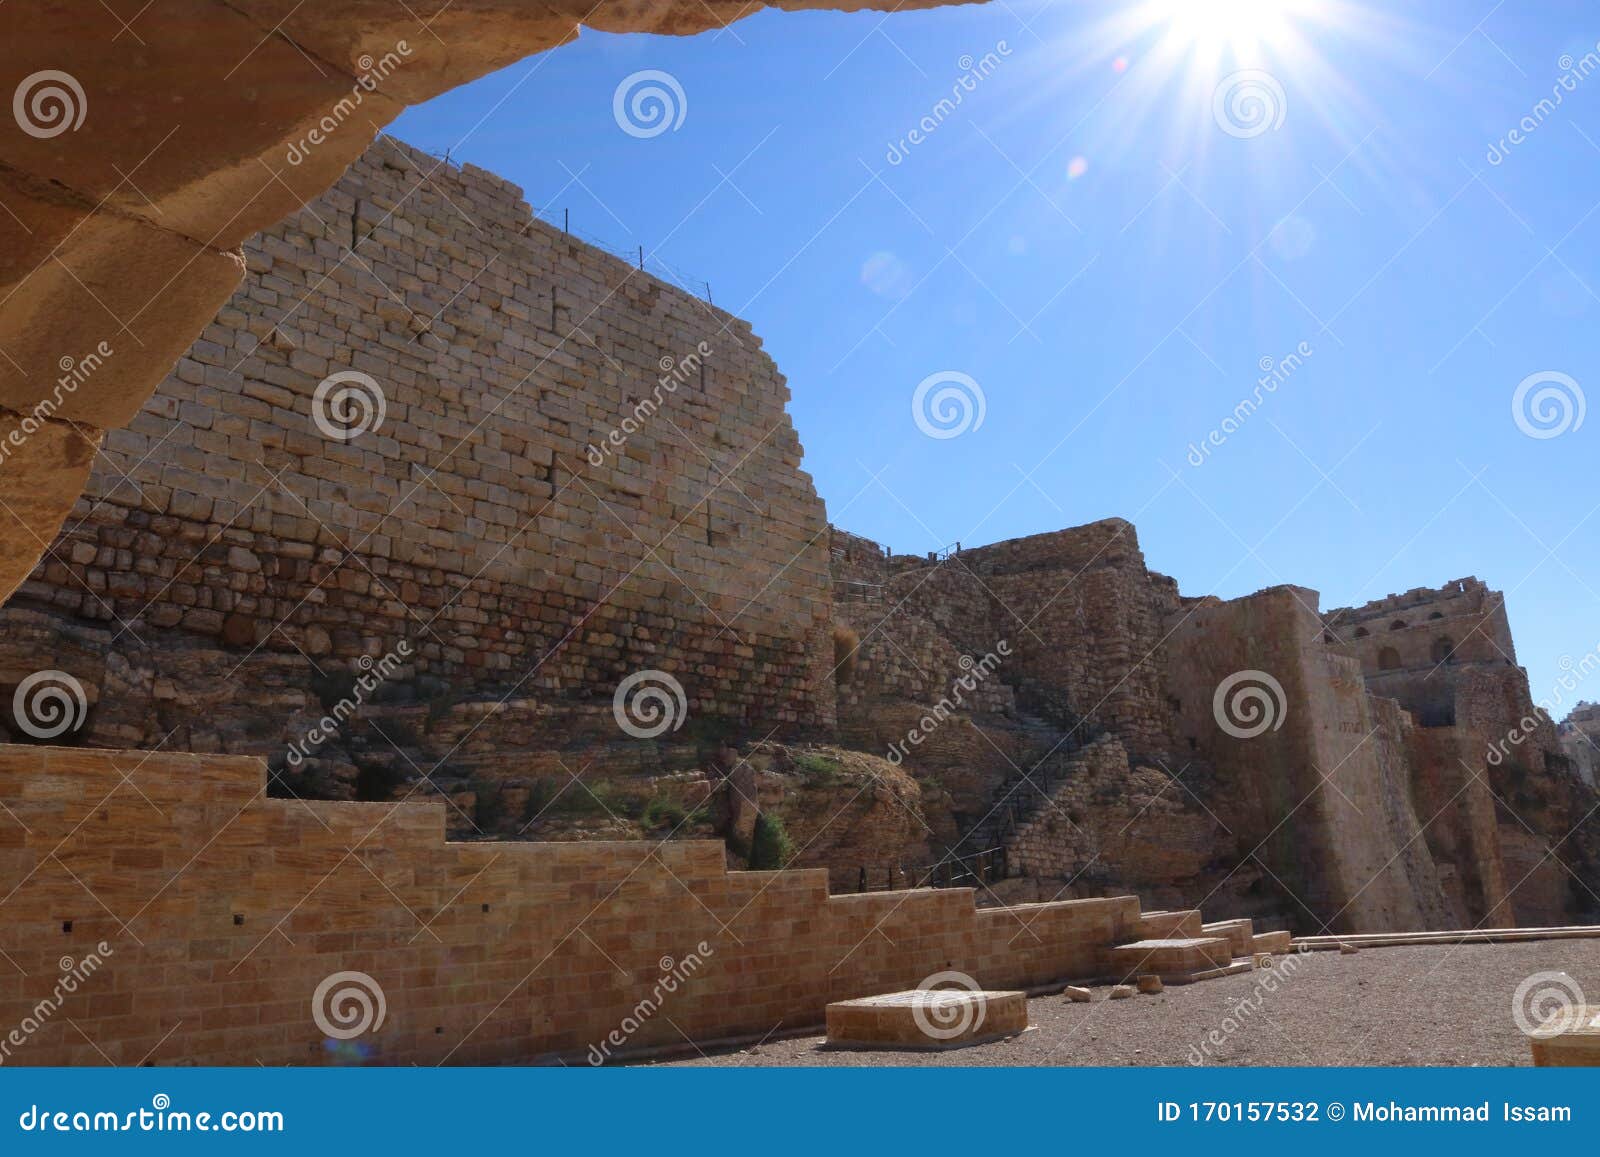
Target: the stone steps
(1173, 925)
(1022, 796)
(1175, 959)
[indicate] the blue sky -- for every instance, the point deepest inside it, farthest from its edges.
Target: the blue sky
(1111, 256)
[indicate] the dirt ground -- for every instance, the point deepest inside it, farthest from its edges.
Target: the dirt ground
(1384, 1006)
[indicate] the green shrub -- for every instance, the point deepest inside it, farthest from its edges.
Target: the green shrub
(661, 812)
(771, 848)
(819, 770)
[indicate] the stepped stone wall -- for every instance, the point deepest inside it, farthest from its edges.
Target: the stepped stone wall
(215, 914)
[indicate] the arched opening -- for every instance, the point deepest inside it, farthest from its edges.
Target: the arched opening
(1388, 659)
(1436, 615)
(1362, 632)
(1398, 625)
(1444, 649)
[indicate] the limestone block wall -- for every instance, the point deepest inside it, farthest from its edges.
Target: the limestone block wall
(1580, 741)
(1087, 615)
(859, 566)
(1077, 608)
(1108, 813)
(1412, 646)
(1320, 796)
(1543, 808)
(580, 471)
(215, 913)
(220, 96)
(1457, 806)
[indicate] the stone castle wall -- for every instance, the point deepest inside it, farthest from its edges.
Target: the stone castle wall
(1078, 611)
(491, 520)
(1580, 741)
(1317, 788)
(223, 911)
(1411, 646)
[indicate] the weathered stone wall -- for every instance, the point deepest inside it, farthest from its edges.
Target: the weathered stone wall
(1110, 825)
(1580, 741)
(1077, 609)
(491, 520)
(223, 911)
(1086, 615)
(1544, 811)
(1457, 806)
(1318, 790)
(1411, 646)
(232, 113)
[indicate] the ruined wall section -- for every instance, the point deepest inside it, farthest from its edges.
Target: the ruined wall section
(1549, 845)
(1088, 618)
(1315, 788)
(1580, 741)
(1079, 610)
(1457, 806)
(487, 518)
(1412, 646)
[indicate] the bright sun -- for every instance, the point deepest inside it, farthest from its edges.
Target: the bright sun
(1206, 29)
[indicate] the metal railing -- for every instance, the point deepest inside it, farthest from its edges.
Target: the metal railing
(845, 591)
(973, 870)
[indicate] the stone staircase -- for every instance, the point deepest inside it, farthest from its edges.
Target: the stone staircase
(1027, 792)
(1180, 949)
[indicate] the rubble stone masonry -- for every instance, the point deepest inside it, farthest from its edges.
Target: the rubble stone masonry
(542, 471)
(579, 471)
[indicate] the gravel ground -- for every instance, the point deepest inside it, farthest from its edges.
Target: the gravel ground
(1383, 1006)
